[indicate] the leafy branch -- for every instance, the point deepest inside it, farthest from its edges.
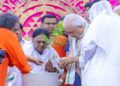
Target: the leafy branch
(55, 33)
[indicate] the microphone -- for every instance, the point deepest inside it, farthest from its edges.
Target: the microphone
(2, 55)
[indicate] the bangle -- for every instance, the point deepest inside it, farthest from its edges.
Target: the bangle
(60, 80)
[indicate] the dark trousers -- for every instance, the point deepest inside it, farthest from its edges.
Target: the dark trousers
(77, 81)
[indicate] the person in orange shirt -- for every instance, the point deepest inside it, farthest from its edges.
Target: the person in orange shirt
(49, 22)
(59, 45)
(10, 44)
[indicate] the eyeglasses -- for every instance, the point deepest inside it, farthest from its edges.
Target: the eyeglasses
(67, 33)
(39, 42)
(51, 23)
(74, 30)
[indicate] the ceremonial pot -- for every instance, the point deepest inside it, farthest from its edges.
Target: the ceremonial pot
(40, 79)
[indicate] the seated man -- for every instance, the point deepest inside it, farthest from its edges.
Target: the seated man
(41, 49)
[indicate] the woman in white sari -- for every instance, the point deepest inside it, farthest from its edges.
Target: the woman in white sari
(41, 49)
(100, 51)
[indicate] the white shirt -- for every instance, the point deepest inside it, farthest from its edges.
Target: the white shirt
(48, 54)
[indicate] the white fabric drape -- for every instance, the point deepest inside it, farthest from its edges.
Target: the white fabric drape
(98, 7)
(101, 51)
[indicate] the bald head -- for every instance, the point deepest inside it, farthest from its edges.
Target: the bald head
(74, 24)
(73, 20)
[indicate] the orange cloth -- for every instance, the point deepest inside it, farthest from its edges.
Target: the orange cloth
(14, 56)
(59, 44)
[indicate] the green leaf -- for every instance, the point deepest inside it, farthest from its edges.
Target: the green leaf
(46, 39)
(56, 32)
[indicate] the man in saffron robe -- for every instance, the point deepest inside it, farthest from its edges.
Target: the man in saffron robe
(10, 43)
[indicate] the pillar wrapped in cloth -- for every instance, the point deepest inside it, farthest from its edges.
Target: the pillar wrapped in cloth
(40, 79)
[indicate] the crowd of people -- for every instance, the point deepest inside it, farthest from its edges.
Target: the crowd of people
(85, 54)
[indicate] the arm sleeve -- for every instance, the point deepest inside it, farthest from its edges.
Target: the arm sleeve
(55, 61)
(86, 54)
(16, 55)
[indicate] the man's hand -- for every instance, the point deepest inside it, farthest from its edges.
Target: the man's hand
(63, 62)
(49, 66)
(67, 60)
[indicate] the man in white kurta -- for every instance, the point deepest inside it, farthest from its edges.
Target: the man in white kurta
(75, 27)
(101, 51)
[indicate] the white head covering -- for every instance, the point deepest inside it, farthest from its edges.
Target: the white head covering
(98, 8)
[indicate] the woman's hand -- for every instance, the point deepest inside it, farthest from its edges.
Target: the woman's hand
(49, 66)
(37, 61)
(34, 60)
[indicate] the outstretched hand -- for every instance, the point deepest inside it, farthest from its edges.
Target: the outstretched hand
(34, 60)
(64, 62)
(49, 66)
(37, 61)
(67, 60)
